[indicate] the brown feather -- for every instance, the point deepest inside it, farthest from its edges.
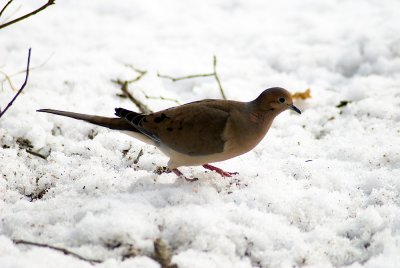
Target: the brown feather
(194, 129)
(109, 122)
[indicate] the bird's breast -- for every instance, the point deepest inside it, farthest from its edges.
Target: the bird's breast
(242, 137)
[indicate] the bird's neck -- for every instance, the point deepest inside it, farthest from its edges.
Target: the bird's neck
(256, 124)
(263, 116)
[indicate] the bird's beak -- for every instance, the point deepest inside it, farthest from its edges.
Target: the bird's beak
(294, 108)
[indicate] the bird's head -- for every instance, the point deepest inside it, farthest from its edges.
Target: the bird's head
(276, 99)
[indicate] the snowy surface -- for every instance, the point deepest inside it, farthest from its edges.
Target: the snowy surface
(342, 208)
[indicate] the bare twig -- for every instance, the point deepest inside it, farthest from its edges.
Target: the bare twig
(63, 250)
(22, 87)
(124, 88)
(175, 79)
(11, 14)
(160, 98)
(121, 95)
(4, 8)
(215, 74)
(140, 72)
(8, 79)
(138, 156)
(29, 151)
(217, 78)
(49, 3)
(343, 103)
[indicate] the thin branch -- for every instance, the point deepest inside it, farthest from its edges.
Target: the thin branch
(22, 87)
(343, 103)
(140, 72)
(36, 154)
(63, 250)
(215, 74)
(124, 88)
(8, 79)
(12, 13)
(138, 156)
(49, 3)
(217, 78)
(159, 98)
(121, 95)
(4, 8)
(175, 79)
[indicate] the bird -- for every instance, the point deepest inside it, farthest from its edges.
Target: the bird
(199, 132)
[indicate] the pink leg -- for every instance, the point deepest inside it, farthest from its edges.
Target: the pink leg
(219, 171)
(180, 174)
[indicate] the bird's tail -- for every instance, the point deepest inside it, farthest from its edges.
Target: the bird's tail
(108, 122)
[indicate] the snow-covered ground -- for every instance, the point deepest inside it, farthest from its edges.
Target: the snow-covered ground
(342, 208)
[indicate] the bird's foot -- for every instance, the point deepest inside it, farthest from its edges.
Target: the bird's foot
(219, 171)
(180, 174)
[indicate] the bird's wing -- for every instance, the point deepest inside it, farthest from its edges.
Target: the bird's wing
(135, 119)
(194, 129)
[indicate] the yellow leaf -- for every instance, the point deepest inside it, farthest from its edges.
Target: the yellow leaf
(302, 95)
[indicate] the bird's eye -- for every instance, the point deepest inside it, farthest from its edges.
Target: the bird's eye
(281, 100)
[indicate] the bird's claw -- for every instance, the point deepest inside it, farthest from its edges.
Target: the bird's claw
(220, 171)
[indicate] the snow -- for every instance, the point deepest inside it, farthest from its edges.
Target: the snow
(341, 209)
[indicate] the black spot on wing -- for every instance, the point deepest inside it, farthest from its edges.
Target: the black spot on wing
(161, 118)
(132, 117)
(135, 119)
(121, 112)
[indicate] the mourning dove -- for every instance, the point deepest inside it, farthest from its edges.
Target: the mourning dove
(199, 132)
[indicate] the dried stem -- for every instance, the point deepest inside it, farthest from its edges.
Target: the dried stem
(160, 98)
(36, 154)
(63, 250)
(124, 88)
(49, 3)
(4, 8)
(8, 79)
(215, 74)
(22, 87)
(140, 72)
(217, 78)
(175, 79)
(138, 156)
